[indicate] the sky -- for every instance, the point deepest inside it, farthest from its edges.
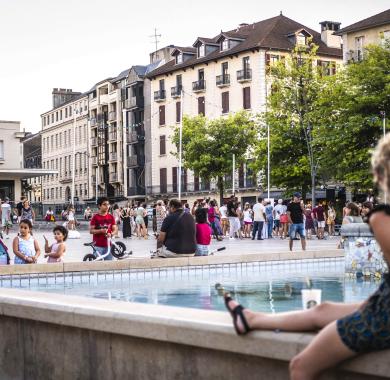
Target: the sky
(75, 43)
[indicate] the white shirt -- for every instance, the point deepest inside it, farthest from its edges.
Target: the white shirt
(5, 211)
(248, 216)
(223, 211)
(258, 212)
(279, 210)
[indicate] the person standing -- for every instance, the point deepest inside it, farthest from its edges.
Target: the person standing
(331, 219)
(269, 214)
(320, 216)
(309, 225)
(126, 222)
(49, 217)
(102, 227)
(224, 219)
(248, 220)
(211, 217)
(258, 219)
(279, 209)
(234, 222)
(295, 212)
(160, 215)
(6, 221)
(27, 212)
(19, 207)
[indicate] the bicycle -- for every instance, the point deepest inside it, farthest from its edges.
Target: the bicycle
(117, 249)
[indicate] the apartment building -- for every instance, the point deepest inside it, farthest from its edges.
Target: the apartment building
(218, 75)
(63, 127)
(13, 173)
(372, 30)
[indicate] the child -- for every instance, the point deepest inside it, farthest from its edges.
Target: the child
(203, 232)
(56, 250)
(4, 256)
(25, 247)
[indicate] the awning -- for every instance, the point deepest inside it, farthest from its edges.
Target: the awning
(24, 173)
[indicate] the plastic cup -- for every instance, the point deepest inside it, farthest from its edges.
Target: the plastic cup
(311, 298)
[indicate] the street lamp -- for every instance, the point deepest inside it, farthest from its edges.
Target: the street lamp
(383, 114)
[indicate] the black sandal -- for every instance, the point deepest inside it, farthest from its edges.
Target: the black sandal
(237, 312)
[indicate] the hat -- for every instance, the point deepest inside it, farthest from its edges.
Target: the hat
(297, 194)
(280, 201)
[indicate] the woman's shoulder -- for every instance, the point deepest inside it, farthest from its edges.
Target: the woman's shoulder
(379, 213)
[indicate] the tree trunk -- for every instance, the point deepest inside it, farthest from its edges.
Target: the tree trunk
(221, 190)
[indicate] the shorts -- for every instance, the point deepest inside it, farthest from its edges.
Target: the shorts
(248, 223)
(103, 251)
(368, 328)
(321, 224)
(297, 228)
(140, 220)
(202, 250)
(277, 223)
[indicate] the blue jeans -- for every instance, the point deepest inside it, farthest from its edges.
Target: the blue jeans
(103, 251)
(257, 227)
(297, 228)
(270, 226)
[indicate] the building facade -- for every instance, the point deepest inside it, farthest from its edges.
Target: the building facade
(217, 76)
(65, 132)
(372, 30)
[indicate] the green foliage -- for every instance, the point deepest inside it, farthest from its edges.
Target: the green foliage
(209, 145)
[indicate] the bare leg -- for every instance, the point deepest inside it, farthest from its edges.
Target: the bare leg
(290, 244)
(302, 320)
(303, 243)
(324, 351)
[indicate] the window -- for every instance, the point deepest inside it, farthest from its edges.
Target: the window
(201, 106)
(57, 116)
(196, 183)
(183, 179)
(246, 97)
(52, 142)
(52, 117)
(1, 150)
(225, 102)
(174, 179)
(66, 112)
(162, 145)
(161, 84)
(326, 67)
(225, 44)
(70, 111)
(245, 64)
(271, 60)
(60, 114)
(163, 180)
(301, 39)
(179, 82)
(179, 58)
(359, 43)
(201, 75)
(201, 51)
(162, 115)
(225, 68)
(178, 111)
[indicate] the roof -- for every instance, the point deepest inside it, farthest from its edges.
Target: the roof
(121, 76)
(267, 34)
(186, 49)
(370, 22)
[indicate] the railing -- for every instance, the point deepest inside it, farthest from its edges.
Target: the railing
(112, 116)
(199, 85)
(93, 122)
(134, 102)
(65, 178)
(113, 177)
(113, 156)
(159, 96)
(244, 75)
(94, 141)
(112, 136)
(94, 160)
(176, 91)
(223, 80)
(136, 160)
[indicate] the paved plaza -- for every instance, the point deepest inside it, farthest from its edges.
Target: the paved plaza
(141, 247)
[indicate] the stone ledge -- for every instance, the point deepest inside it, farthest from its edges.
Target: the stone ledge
(198, 328)
(139, 263)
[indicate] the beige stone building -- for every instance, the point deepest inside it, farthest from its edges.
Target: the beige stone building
(63, 127)
(12, 171)
(217, 76)
(372, 30)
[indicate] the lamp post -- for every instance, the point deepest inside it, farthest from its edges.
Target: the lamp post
(73, 155)
(180, 141)
(383, 114)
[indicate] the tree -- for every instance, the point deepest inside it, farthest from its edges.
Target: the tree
(349, 107)
(296, 82)
(209, 145)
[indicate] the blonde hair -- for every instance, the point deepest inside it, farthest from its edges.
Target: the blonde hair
(380, 162)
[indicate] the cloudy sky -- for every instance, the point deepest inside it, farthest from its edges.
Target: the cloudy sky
(75, 43)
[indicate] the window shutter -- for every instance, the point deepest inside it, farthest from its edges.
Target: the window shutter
(196, 183)
(162, 145)
(163, 180)
(201, 105)
(246, 95)
(267, 62)
(162, 115)
(225, 102)
(174, 179)
(241, 175)
(178, 106)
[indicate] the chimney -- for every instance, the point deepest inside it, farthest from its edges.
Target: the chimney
(327, 34)
(62, 95)
(163, 55)
(242, 25)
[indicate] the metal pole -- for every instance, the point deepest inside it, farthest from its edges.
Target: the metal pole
(384, 134)
(124, 160)
(97, 181)
(73, 156)
(180, 141)
(268, 161)
(233, 173)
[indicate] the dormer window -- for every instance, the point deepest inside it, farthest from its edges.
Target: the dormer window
(301, 39)
(225, 44)
(201, 51)
(179, 58)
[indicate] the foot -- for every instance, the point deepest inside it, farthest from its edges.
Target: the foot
(241, 329)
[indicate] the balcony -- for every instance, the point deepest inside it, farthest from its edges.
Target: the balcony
(113, 156)
(134, 102)
(136, 160)
(135, 191)
(94, 160)
(176, 91)
(112, 136)
(112, 116)
(199, 86)
(135, 136)
(66, 178)
(223, 80)
(94, 141)
(244, 75)
(93, 122)
(159, 96)
(114, 177)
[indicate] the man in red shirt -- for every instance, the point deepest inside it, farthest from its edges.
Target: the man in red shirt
(102, 227)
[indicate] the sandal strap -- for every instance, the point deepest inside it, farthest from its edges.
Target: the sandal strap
(238, 312)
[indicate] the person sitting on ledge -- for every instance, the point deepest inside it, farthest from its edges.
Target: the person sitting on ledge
(346, 329)
(177, 237)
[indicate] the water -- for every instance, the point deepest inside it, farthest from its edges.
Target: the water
(262, 286)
